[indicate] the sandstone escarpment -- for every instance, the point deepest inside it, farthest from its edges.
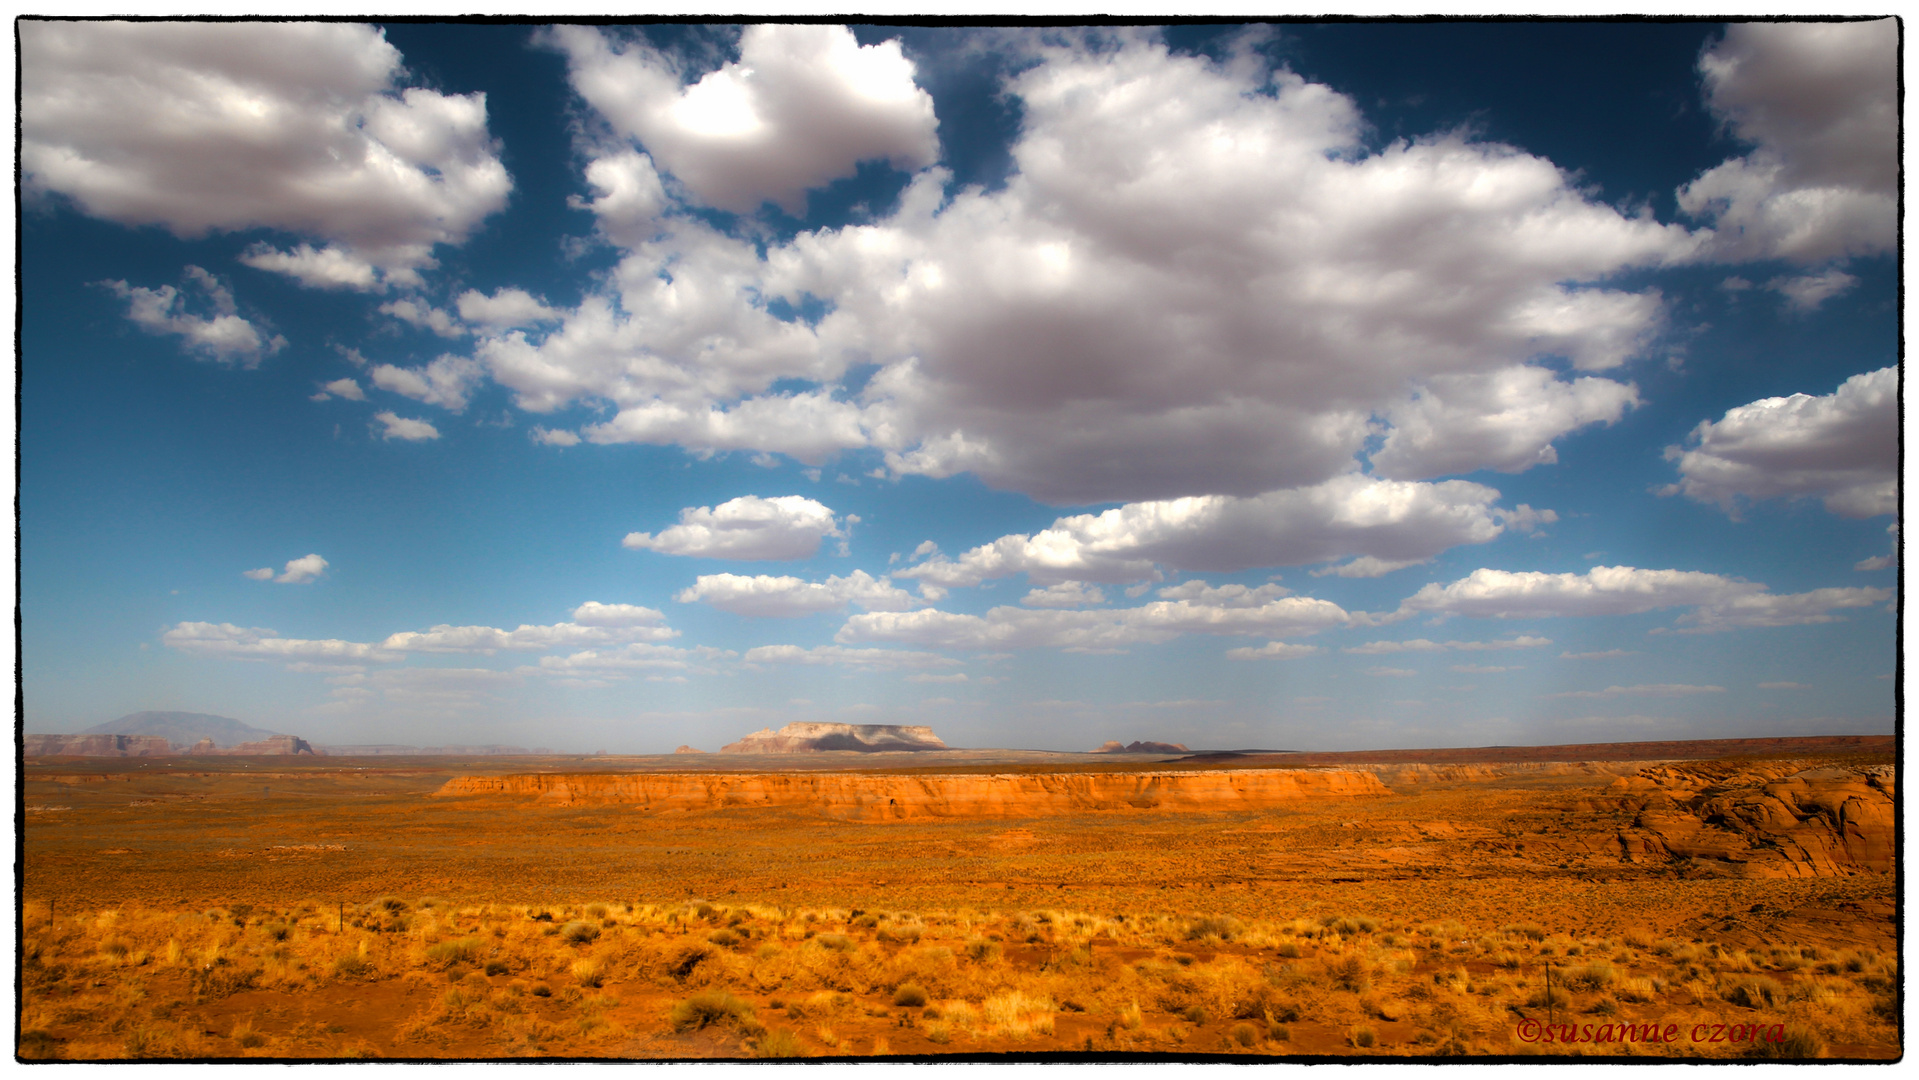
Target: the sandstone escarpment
(97, 746)
(899, 798)
(806, 738)
(1780, 820)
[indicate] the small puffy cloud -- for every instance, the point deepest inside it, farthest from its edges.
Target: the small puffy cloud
(631, 198)
(1391, 672)
(1505, 420)
(594, 613)
(1378, 648)
(1063, 594)
(298, 571)
(1718, 603)
(749, 527)
(302, 570)
(506, 309)
(867, 659)
(1273, 650)
(257, 643)
(1482, 669)
(399, 427)
(223, 335)
(200, 127)
(1398, 521)
(1652, 690)
(1819, 102)
(924, 677)
(345, 389)
(1876, 562)
(766, 596)
(318, 268)
(1807, 291)
(424, 316)
(1842, 448)
(801, 107)
(446, 382)
(550, 437)
(1604, 654)
(1785, 686)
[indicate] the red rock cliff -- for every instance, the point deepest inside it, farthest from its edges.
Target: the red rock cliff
(898, 798)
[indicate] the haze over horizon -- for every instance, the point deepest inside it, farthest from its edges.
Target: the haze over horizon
(1319, 387)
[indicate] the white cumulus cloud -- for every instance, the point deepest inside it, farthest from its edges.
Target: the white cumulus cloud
(257, 643)
(202, 127)
(766, 596)
(800, 108)
(749, 527)
(1819, 102)
(1842, 448)
(1397, 521)
(400, 427)
(1273, 650)
(1718, 603)
(446, 382)
(221, 335)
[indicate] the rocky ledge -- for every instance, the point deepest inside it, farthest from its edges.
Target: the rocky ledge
(866, 797)
(1771, 821)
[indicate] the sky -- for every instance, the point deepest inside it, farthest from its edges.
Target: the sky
(1299, 386)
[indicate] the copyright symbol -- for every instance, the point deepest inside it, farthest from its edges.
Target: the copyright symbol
(1528, 1030)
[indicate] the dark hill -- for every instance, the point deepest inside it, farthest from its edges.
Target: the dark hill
(183, 729)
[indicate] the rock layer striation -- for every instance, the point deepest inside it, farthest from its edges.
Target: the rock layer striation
(1772, 821)
(869, 797)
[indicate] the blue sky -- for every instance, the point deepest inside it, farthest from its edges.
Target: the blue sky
(1317, 387)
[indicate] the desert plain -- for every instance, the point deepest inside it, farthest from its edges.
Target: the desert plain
(967, 904)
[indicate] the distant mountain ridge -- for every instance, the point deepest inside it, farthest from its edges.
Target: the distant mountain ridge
(184, 728)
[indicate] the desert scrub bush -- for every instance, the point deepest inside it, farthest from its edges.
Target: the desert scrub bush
(779, 1044)
(447, 953)
(1349, 925)
(835, 942)
(981, 950)
(1363, 1037)
(1596, 975)
(909, 996)
(1529, 931)
(1220, 927)
(724, 938)
(588, 972)
(1015, 1014)
(1756, 992)
(1346, 972)
(1800, 1042)
(1637, 991)
(1243, 1035)
(711, 1007)
(1289, 949)
(1549, 997)
(579, 932)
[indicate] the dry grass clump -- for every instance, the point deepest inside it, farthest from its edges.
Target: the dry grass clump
(711, 1007)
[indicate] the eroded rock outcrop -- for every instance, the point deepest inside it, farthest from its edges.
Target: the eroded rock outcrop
(1114, 746)
(807, 738)
(1771, 820)
(277, 746)
(97, 746)
(867, 797)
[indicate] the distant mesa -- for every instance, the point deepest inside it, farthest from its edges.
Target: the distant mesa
(405, 750)
(685, 749)
(184, 728)
(1139, 747)
(157, 746)
(809, 738)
